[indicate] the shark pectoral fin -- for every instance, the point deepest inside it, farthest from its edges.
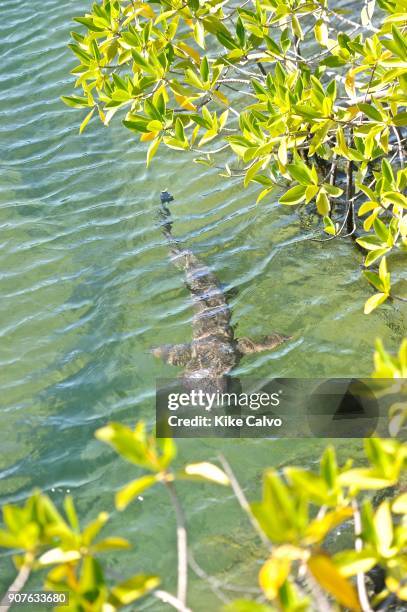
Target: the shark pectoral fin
(174, 354)
(247, 345)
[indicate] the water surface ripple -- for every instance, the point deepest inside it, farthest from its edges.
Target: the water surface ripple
(87, 287)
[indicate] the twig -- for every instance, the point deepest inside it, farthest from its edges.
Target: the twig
(399, 146)
(398, 298)
(17, 585)
(171, 600)
(214, 584)
(182, 546)
(350, 216)
(241, 498)
(360, 577)
(233, 80)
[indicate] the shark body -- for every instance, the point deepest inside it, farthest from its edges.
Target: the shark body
(214, 351)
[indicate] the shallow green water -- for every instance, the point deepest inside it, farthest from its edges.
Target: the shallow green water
(86, 288)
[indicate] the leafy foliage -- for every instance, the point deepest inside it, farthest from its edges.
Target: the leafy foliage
(303, 98)
(299, 534)
(44, 538)
(298, 513)
(393, 367)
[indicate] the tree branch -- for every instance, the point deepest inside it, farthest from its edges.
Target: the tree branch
(17, 585)
(171, 600)
(182, 546)
(241, 498)
(360, 577)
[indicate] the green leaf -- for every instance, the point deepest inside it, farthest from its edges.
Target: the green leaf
(374, 255)
(128, 591)
(387, 171)
(204, 69)
(381, 230)
(384, 275)
(112, 543)
(350, 562)
(75, 101)
(329, 226)
(323, 204)
(370, 243)
(318, 529)
(264, 193)
(311, 192)
(86, 120)
(321, 32)
(333, 61)
(91, 576)
(8, 540)
(329, 467)
(92, 530)
(367, 207)
(192, 78)
(273, 574)
(252, 171)
(199, 33)
(394, 197)
(400, 43)
(126, 495)
(334, 192)
(374, 301)
(89, 23)
(294, 195)
(131, 444)
(141, 62)
(246, 605)
(384, 528)
(364, 479)
(152, 149)
(309, 483)
(301, 173)
(400, 120)
(371, 112)
(374, 279)
(70, 512)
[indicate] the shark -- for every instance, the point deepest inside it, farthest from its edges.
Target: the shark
(214, 351)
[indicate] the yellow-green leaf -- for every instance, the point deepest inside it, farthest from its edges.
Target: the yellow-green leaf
(86, 120)
(132, 589)
(152, 149)
(125, 495)
(384, 528)
(328, 576)
(112, 543)
(350, 562)
(374, 301)
(273, 574)
(364, 478)
(294, 195)
(323, 205)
